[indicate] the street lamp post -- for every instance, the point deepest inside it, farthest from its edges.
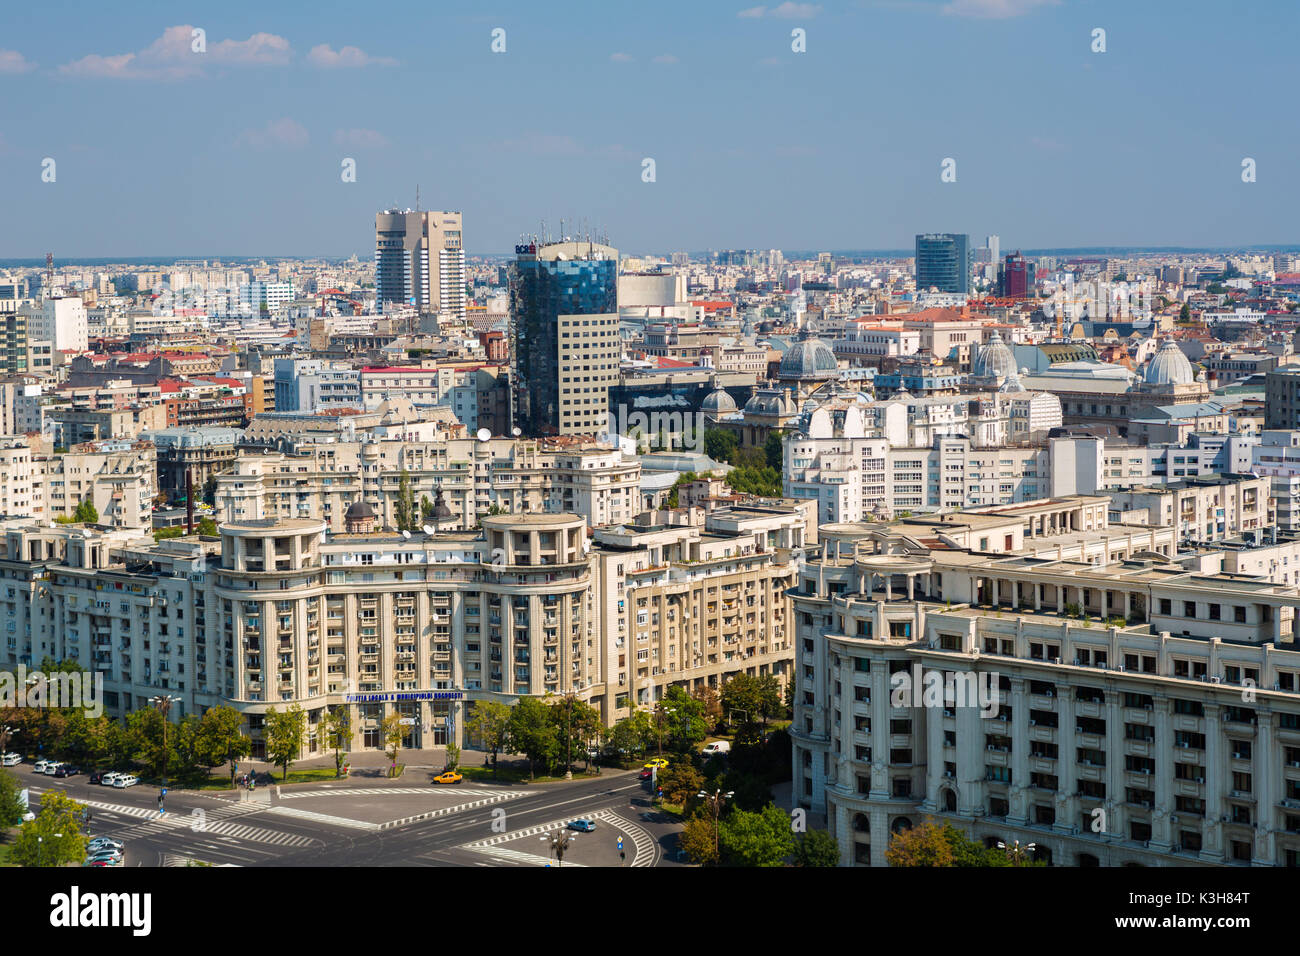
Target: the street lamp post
(715, 802)
(163, 703)
(559, 843)
(5, 733)
(1015, 852)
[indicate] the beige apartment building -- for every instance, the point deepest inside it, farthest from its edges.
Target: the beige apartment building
(283, 612)
(321, 481)
(118, 477)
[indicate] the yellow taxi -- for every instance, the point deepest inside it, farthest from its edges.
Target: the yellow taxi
(449, 776)
(659, 762)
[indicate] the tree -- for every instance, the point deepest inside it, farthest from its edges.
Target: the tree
(285, 732)
(774, 449)
(683, 479)
(405, 504)
(755, 480)
(633, 734)
(157, 750)
(697, 841)
(757, 839)
(453, 756)
(337, 724)
(207, 527)
(532, 733)
(720, 444)
(426, 509)
(222, 739)
(490, 723)
(683, 718)
(710, 703)
(576, 724)
(11, 808)
(816, 848)
(924, 845)
(54, 838)
(209, 491)
(680, 782)
(1185, 313)
(393, 731)
(86, 512)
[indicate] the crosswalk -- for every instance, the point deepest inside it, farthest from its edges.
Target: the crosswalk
(395, 791)
(214, 823)
(645, 850)
(315, 817)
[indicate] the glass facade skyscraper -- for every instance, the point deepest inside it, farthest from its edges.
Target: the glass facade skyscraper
(564, 337)
(943, 261)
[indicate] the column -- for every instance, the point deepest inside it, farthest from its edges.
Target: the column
(933, 718)
(1212, 839)
(1067, 758)
(911, 586)
(1163, 775)
(1019, 810)
(1267, 788)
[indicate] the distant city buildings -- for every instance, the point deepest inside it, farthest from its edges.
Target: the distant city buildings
(943, 262)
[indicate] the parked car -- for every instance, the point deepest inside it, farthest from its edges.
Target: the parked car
(41, 765)
(645, 774)
(449, 776)
(96, 776)
(718, 747)
(67, 770)
(104, 843)
(660, 762)
(51, 767)
(126, 780)
(104, 859)
(108, 778)
(11, 760)
(582, 826)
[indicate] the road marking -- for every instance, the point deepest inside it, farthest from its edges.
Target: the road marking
(646, 849)
(391, 791)
(517, 856)
(321, 818)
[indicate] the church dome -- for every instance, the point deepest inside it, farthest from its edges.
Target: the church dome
(994, 360)
(718, 401)
(1169, 366)
(809, 359)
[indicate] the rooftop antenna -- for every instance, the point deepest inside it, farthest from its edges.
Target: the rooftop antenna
(49, 271)
(417, 197)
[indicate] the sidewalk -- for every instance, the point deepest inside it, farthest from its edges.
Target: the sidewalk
(431, 759)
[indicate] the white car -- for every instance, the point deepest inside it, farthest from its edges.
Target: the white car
(108, 779)
(126, 780)
(104, 843)
(40, 766)
(11, 760)
(52, 766)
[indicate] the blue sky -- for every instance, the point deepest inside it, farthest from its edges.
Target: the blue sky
(237, 151)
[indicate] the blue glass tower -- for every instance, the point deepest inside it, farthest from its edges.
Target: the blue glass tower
(943, 261)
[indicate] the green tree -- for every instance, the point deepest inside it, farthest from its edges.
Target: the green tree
(393, 731)
(54, 838)
(86, 512)
(633, 734)
(453, 756)
(774, 449)
(755, 480)
(11, 808)
(337, 725)
(155, 749)
(576, 725)
(285, 733)
(1185, 313)
(209, 491)
(720, 444)
(532, 733)
(697, 840)
(680, 782)
(405, 504)
(207, 526)
(816, 848)
(222, 740)
(683, 719)
(490, 723)
(757, 839)
(923, 845)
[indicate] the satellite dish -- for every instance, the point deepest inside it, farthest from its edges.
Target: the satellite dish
(484, 434)
(406, 534)
(516, 431)
(428, 529)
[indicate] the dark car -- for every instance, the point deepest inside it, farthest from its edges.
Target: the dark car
(67, 770)
(96, 776)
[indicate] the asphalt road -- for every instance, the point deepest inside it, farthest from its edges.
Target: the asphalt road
(376, 822)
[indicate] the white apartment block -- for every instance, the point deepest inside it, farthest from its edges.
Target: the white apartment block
(118, 477)
(1207, 508)
(1133, 713)
(320, 481)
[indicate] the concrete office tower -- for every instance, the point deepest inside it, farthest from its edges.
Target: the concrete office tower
(420, 260)
(61, 322)
(943, 261)
(564, 337)
(994, 245)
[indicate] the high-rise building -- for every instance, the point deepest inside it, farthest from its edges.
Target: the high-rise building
(564, 337)
(1016, 277)
(420, 260)
(943, 262)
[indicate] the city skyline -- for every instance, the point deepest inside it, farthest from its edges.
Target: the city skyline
(732, 116)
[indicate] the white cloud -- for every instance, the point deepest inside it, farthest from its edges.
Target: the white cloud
(172, 56)
(327, 58)
(360, 138)
(11, 61)
(786, 11)
(276, 134)
(665, 58)
(621, 58)
(995, 9)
